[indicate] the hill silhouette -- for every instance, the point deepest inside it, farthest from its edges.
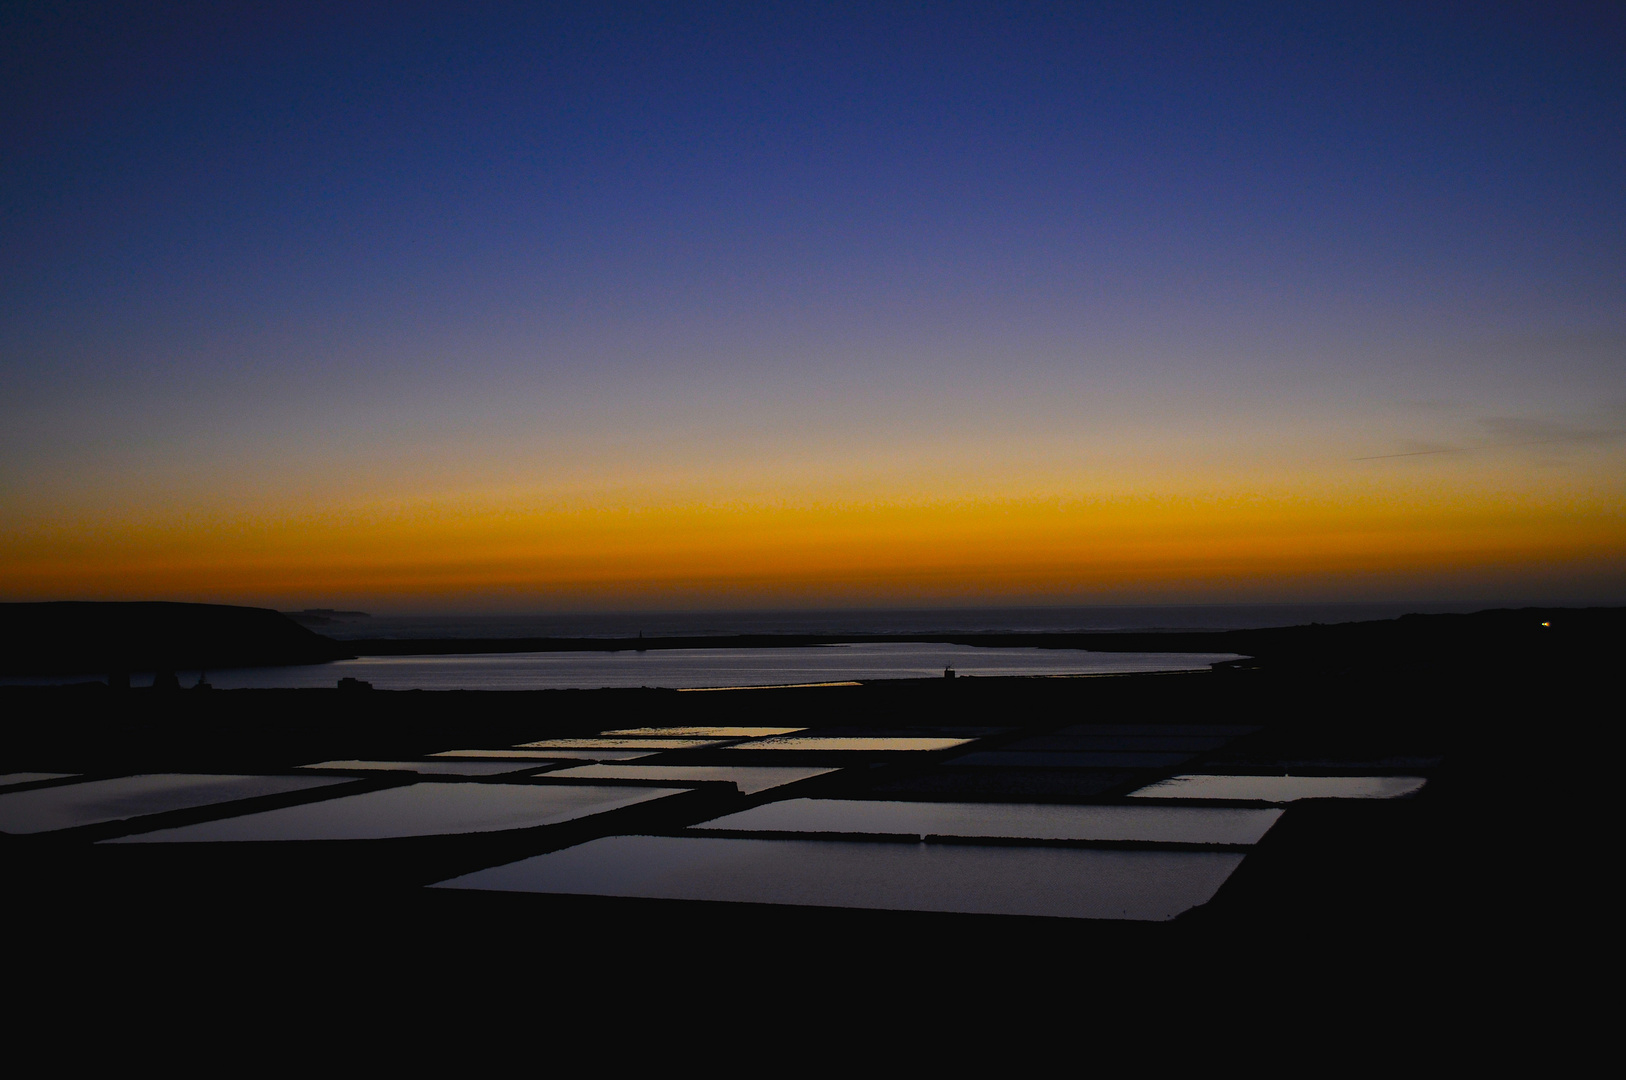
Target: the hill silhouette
(96, 638)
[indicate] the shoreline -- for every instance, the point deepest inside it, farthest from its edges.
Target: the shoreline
(1330, 876)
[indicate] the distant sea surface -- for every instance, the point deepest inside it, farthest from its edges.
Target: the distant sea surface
(697, 668)
(834, 623)
(724, 667)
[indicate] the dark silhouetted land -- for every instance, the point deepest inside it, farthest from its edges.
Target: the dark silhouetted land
(87, 637)
(1346, 909)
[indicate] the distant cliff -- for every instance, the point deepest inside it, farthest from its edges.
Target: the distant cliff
(68, 638)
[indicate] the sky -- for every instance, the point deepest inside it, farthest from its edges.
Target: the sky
(489, 307)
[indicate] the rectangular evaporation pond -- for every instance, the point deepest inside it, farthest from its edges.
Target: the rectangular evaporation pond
(430, 768)
(842, 743)
(13, 779)
(1074, 883)
(548, 755)
(96, 802)
(769, 686)
(719, 732)
(1051, 759)
(1280, 789)
(749, 779)
(1022, 821)
(619, 744)
(415, 810)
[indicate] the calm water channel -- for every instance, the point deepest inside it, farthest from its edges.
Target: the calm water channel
(698, 668)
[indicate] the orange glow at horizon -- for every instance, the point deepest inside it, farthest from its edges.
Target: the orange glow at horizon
(1039, 549)
(447, 309)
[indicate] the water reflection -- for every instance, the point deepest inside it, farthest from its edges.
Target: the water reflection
(701, 668)
(749, 779)
(17, 779)
(849, 743)
(620, 744)
(429, 768)
(415, 810)
(96, 802)
(1281, 789)
(1027, 821)
(722, 731)
(1076, 883)
(549, 755)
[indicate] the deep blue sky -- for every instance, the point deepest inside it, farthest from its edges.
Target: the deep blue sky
(302, 259)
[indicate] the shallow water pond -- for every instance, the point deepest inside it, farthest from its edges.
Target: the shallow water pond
(723, 731)
(856, 743)
(620, 744)
(1074, 883)
(1027, 821)
(549, 755)
(1280, 789)
(431, 809)
(16, 779)
(96, 802)
(748, 779)
(429, 768)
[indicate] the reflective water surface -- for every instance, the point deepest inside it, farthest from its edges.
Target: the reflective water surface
(95, 802)
(849, 743)
(13, 779)
(1027, 821)
(415, 810)
(749, 779)
(1072, 883)
(429, 768)
(1279, 789)
(619, 744)
(723, 731)
(550, 755)
(699, 668)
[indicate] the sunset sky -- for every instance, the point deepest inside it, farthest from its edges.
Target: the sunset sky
(621, 306)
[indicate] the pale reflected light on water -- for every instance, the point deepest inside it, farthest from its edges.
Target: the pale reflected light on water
(16, 779)
(700, 668)
(1074, 883)
(548, 755)
(1280, 789)
(1026, 821)
(96, 802)
(618, 744)
(716, 731)
(428, 768)
(427, 809)
(748, 779)
(853, 743)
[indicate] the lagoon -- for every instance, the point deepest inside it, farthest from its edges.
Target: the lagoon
(700, 668)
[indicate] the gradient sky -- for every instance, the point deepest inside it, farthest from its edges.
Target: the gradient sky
(470, 307)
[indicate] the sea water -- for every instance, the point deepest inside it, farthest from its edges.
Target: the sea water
(700, 668)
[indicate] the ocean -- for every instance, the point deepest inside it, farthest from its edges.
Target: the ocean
(1016, 620)
(702, 668)
(688, 669)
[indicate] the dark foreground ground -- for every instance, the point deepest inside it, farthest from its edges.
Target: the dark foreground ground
(1376, 918)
